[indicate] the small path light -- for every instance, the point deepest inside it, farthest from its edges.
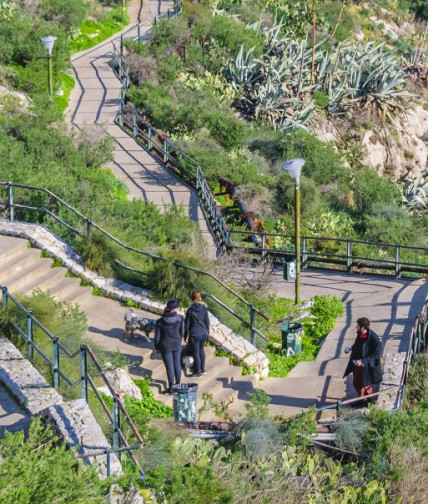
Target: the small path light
(294, 168)
(49, 43)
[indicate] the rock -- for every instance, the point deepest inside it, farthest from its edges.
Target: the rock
(121, 382)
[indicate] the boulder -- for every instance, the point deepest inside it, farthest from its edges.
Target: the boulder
(121, 382)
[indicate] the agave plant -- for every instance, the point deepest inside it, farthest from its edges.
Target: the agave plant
(244, 70)
(415, 191)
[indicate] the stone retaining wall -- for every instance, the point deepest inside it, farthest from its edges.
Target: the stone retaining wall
(392, 372)
(73, 420)
(241, 350)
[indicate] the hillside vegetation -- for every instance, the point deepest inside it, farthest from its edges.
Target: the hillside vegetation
(244, 85)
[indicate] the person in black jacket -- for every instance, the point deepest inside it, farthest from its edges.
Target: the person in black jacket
(364, 361)
(197, 329)
(169, 332)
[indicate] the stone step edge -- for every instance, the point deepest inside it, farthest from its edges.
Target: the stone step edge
(222, 336)
(73, 420)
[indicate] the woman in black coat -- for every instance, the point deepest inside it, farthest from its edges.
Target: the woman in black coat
(169, 332)
(197, 329)
(364, 361)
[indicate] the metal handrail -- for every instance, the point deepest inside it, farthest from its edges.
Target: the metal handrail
(260, 247)
(90, 225)
(85, 378)
(146, 136)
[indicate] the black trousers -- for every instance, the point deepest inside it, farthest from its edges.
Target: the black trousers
(172, 366)
(198, 353)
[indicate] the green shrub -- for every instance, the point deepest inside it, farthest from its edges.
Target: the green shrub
(370, 189)
(323, 163)
(99, 254)
(320, 99)
(326, 309)
(66, 13)
(39, 468)
(227, 130)
(309, 194)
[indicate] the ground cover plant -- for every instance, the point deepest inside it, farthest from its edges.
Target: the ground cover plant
(39, 468)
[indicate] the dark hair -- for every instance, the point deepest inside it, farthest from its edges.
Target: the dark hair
(364, 322)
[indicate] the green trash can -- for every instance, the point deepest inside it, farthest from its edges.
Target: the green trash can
(291, 338)
(184, 402)
(289, 269)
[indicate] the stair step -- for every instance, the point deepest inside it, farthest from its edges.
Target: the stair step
(27, 281)
(10, 247)
(15, 264)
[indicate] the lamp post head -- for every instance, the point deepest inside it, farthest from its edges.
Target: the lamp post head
(294, 168)
(49, 43)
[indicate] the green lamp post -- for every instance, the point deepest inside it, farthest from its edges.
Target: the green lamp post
(294, 168)
(49, 43)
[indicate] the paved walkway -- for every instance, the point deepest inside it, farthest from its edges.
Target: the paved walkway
(95, 100)
(390, 304)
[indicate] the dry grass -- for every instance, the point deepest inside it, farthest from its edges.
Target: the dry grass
(412, 485)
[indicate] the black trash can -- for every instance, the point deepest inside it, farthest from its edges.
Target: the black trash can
(184, 402)
(292, 338)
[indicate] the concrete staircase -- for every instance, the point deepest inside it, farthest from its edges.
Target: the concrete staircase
(22, 270)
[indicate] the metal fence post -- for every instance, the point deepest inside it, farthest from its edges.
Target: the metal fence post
(56, 363)
(165, 150)
(397, 262)
(121, 107)
(134, 125)
(139, 32)
(88, 229)
(252, 322)
(264, 249)
(116, 427)
(348, 256)
(121, 45)
(149, 141)
(84, 372)
(304, 253)
(30, 335)
(10, 201)
(108, 463)
(4, 298)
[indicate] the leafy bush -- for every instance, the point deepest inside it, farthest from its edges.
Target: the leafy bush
(309, 194)
(351, 429)
(326, 309)
(226, 129)
(66, 13)
(370, 189)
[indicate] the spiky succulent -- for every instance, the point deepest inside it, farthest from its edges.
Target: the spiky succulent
(279, 86)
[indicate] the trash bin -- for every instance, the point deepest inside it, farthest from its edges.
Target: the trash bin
(292, 338)
(184, 402)
(289, 266)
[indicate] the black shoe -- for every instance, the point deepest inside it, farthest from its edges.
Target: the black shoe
(168, 391)
(196, 375)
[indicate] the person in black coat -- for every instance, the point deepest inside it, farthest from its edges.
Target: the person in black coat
(197, 330)
(364, 361)
(169, 332)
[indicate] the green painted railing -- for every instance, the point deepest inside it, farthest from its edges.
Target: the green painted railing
(418, 342)
(85, 231)
(86, 357)
(315, 252)
(172, 156)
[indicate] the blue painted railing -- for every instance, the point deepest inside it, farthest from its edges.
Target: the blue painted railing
(86, 357)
